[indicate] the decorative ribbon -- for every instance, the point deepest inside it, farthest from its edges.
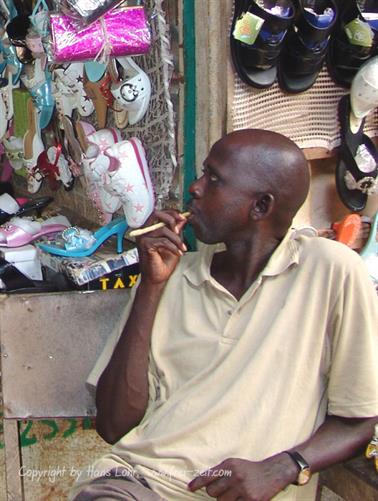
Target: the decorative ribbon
(368, 184)
(106, 49)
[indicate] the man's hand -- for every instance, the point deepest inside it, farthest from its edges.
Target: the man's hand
(160, 250)
(241, 480)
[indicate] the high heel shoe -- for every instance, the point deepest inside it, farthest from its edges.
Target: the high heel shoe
(79, 242)
(33, 147)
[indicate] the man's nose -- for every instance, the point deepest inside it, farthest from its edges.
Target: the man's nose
(195, 189)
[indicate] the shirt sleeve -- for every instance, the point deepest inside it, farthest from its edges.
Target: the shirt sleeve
(353, 377)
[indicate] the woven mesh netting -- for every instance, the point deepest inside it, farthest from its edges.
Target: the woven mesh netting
(310, 118)
(157, 129)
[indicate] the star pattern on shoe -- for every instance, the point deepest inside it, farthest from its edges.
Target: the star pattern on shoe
(139, 207)
(103, 143)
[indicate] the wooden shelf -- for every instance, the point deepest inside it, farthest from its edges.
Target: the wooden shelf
(318, 153)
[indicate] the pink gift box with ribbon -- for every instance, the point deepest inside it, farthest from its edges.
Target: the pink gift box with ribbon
(120, 32)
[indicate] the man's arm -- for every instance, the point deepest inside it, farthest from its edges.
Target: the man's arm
(122, 390)
(338, 439)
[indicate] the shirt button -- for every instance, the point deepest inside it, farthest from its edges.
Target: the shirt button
(229, 313)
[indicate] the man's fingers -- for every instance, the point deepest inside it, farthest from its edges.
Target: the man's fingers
(217, 473)
(164, 244)
(170, 218)
(162, 234)
(200, 481)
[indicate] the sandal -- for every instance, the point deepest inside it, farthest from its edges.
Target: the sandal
(71, 141)
(364, 89)
(17, 207)
(22, 231)
(12, 280)
(348, 229)
(33, 147)
(356, 174)
(306, 45)
(94, 70)
(71, 81)
(79, 242)
(14, 65)
(95, 91)
(354, 41)
(14, 151)
(54, 166)
(257, 35)
(356, 171)
(40, 88)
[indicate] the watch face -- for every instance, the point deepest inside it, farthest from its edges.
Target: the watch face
(304, 476)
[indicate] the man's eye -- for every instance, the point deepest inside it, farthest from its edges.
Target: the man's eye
(213, 177)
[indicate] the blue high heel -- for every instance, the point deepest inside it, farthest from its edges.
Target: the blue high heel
(40, 89)
(77, 242)
(13, 62)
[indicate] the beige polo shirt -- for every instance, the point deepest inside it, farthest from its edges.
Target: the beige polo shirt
(253, 377)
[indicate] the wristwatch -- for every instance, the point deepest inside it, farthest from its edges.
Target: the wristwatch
(304, 471)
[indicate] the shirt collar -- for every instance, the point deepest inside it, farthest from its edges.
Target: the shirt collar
(285, 255)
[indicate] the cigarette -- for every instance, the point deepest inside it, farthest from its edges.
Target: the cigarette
(153, 227)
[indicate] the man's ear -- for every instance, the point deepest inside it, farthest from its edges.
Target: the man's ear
(262, 205)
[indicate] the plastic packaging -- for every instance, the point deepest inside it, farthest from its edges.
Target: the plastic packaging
(120, 32)
(364, 89)
(89, 11)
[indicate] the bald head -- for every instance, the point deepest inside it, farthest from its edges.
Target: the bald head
(271, 163)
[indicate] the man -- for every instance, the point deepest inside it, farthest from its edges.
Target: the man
(246, 367)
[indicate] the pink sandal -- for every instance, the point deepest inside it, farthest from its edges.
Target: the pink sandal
(22, 231)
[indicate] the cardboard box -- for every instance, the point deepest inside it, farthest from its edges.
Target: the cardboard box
(102, 270)
(25, 259)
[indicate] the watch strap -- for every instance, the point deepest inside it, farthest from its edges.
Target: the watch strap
(301, 463)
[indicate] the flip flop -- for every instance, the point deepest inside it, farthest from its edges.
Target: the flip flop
(22, 231)
(79, 242)
(348, 229)
(356, 175)
(354, 180)
(257, 37)
(17, 207)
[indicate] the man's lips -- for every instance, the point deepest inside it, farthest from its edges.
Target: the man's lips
(193, 213)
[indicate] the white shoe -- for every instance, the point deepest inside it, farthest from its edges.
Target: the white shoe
(131, 180)
(133, 93)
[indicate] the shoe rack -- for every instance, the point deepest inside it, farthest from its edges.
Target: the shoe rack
(216, 84)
